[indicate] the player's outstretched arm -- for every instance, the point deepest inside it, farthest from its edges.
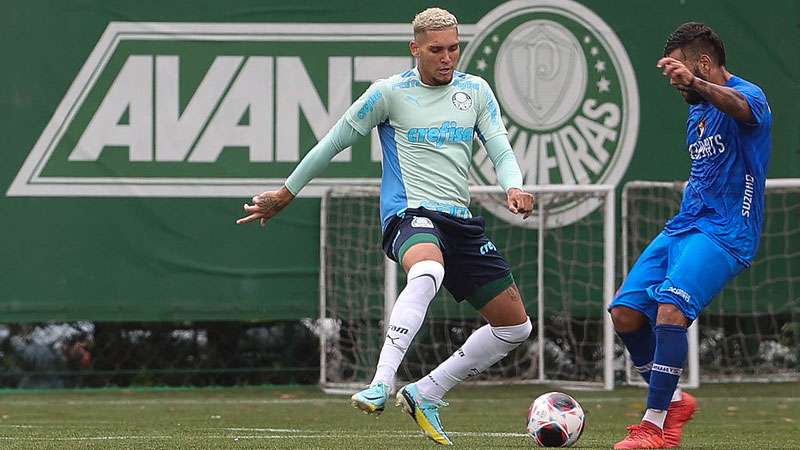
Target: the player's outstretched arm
(363, 115)
(269, 203)
(726, 99)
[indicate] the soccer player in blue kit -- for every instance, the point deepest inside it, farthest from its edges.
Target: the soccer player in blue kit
(713, 237)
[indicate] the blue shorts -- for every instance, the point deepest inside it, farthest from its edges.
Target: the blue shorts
(473, 268)
(686, 270)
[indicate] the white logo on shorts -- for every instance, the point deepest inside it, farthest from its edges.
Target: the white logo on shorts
(680, 293)
(421, 222)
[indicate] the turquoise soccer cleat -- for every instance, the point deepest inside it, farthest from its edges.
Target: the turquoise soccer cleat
(372, 399)
(424, 412)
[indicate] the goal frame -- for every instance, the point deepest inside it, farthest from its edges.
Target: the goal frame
(391, 288)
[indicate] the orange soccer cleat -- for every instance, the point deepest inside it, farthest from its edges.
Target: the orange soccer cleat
(678, 414)
(644, 435)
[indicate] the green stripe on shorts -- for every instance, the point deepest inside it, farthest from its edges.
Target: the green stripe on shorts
(489, 291)
(419, 238)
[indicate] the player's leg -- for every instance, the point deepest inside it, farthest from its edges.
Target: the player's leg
(478, 273)
(633, 312)
(698, 271)
(508, 327)
(424, 265)
(416, 242)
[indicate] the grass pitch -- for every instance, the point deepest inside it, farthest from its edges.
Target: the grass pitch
(742, 416)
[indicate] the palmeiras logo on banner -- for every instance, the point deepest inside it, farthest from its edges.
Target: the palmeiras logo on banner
(568, 95)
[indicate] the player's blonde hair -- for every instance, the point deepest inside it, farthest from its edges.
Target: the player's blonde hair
(433, 19)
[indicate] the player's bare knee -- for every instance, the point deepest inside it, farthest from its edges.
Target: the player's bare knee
(422, 252)
(627, 320)
(669, 314)
(506, 309)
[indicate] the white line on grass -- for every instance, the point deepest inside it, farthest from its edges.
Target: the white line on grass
(271, 430)
(382, 433)
(83, 438)
(309, 434)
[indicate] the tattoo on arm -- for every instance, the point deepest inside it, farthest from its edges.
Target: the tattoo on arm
(514, 293)
(726, 99)
(269, 204)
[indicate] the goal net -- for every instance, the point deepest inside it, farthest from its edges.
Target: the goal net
(565, 274)
(751, 331)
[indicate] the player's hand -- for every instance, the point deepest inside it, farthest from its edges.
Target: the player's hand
(520, 202)
(679, 75)
(266, 205)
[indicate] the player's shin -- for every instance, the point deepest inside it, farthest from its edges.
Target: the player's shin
(671, 350)
(641, 345)
(482, 349)
(424, 280)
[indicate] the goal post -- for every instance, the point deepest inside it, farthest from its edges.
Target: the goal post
(750, 331)
(565, 272)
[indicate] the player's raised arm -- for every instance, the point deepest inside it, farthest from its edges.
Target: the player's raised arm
(358, 120)
(728, 100)
(494, 136)
(694, 61)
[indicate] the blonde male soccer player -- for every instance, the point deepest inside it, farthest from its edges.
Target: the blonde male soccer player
(427, 118)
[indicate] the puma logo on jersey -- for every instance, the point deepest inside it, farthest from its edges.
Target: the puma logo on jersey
(412, 99)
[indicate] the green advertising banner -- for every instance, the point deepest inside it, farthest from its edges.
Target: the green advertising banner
(133, 133)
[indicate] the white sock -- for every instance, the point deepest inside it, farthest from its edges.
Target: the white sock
(677, 395)
(483, 348)
(424, 279)
(656, 417)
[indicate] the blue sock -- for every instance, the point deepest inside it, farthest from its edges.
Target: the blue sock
(641, 345)
(672, 346)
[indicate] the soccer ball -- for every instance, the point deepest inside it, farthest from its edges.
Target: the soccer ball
(555, 420)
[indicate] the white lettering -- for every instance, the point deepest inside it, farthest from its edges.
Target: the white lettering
(747, 200)
(563, 165)
(704, 148)
(611, 121)
(131, 91)
(249, 94)
(576, 149)
(546, 162)
(176, 132)
(297, 93)
(680, 293)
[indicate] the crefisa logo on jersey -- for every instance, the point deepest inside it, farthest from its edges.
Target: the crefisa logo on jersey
(568, 96)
